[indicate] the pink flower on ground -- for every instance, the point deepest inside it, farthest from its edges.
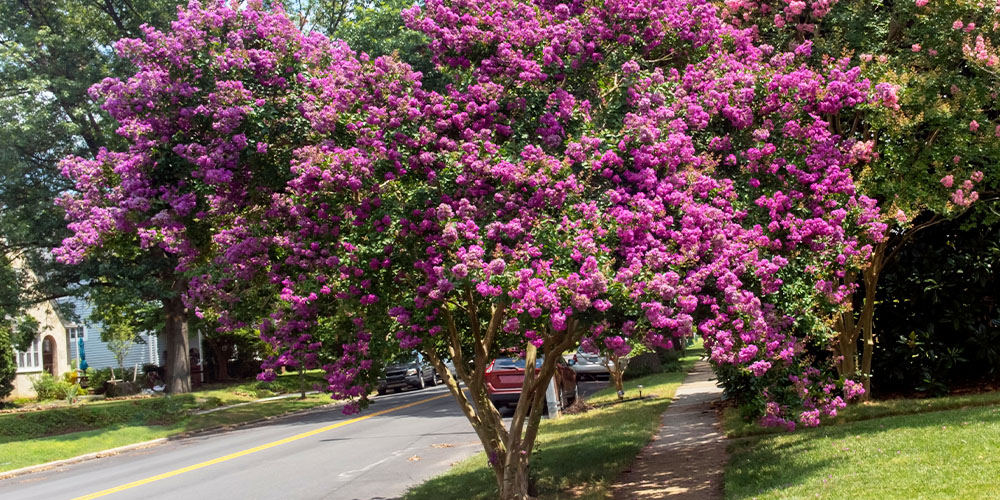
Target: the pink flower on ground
(947, 181)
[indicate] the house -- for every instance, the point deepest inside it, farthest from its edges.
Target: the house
(56, 347)
(151, 351)
(48, 353)
(96, 350)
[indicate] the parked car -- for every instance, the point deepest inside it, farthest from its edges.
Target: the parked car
(588, 365)
(504, 377)
(408, 370)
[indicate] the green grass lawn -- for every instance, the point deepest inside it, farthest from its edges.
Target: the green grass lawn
(584, 453)
(30, 438)
(943, 453)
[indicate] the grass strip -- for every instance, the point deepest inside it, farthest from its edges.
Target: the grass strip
(938, 454)
(25, 438)
(577, 456)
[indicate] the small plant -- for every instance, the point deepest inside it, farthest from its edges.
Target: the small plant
(48, 387)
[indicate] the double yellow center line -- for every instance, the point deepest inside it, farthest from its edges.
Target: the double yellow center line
(255, 449)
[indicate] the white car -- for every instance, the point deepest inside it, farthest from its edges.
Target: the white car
(588, 365)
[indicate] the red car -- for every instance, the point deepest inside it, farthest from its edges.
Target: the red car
(504, 377)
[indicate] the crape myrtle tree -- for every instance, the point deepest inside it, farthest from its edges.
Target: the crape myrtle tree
(587, 165)
(583, 166)
(935, 148)
(51, 51)
(198, 93)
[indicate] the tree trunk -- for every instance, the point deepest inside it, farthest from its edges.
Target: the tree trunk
(508, 451)
(850, 327)
(221, 360)
(617, 373)
(178, 357)
(866, 323)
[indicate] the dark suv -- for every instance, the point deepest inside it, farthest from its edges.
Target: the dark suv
(407, 370)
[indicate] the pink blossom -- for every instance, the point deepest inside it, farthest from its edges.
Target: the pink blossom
(948, 180)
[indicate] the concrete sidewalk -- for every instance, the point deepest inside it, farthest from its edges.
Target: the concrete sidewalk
(687, 456)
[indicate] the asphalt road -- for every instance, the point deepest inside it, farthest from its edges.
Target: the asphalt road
(399, 441)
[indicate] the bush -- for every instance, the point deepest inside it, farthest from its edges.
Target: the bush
(48, 387)
(670, 358)
(644, 364)
(97, 379)
(938, 312)
(121, 389)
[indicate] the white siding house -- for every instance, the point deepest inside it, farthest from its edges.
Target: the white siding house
(98, 354)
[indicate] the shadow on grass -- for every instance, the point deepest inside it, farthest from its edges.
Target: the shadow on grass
(767, 465)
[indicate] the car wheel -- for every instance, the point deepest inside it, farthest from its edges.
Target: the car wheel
(381, 392)
(434, 379)
(422, 383)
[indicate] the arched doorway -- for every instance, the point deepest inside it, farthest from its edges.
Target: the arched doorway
(49, 355)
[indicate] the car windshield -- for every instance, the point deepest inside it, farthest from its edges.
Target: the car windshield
(404, 358)
(508, 363)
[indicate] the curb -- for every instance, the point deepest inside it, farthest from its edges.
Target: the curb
(218, 429)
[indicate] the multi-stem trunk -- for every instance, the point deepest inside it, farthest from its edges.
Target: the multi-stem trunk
(616, 366)
(852, 326)
(508, 450)
(178, 360)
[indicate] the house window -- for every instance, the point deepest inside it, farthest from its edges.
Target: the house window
(30, 360)
(77, 332)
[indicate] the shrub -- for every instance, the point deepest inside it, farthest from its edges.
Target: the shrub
(98, 378)
(644, 364)
(48, 387)
(121, 388)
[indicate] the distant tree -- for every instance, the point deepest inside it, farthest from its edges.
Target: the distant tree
(8, 364)
(123, 318)
(14, 335)
(51, 52)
